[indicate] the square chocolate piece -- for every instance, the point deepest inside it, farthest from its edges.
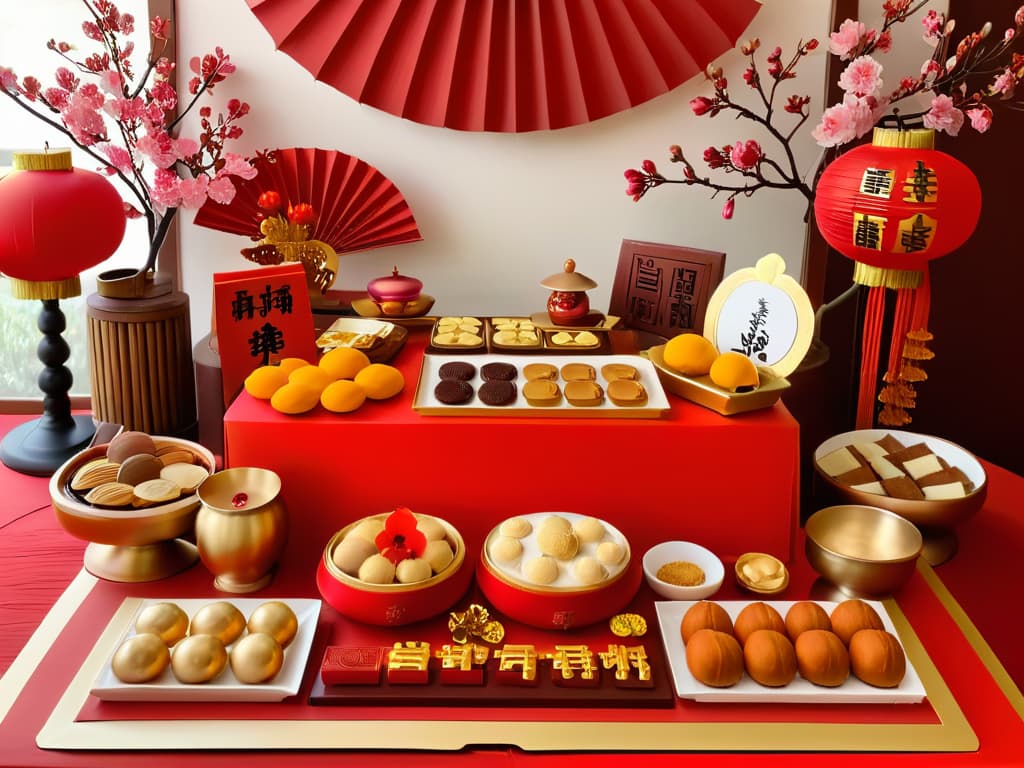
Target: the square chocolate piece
(902, 488)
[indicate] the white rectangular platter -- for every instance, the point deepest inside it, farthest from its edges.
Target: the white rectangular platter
(853, 691)
(226, 686)
(426, 403)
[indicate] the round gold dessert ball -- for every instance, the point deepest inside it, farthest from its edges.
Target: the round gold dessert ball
(413, 569)
(588, 571)
(263, 382)
(589, 530)
(221, 620)
(610, 552)
(377, 569)
(198, 659)
(342, 396)
(689, 353)
(344, 362)
(516, 527)
(439, 554)
(562, 545)
(506, 549)
(165, 620)
(733, 371)
(367, 528)
(294, 398)
(541, 570)
(256, 658)
(351, 552)
(380, 381)
(140, 658)
(430, 527)
(555, 523)
(276, 619)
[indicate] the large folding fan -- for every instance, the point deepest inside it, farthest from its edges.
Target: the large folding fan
(357, 207)
(504, 65)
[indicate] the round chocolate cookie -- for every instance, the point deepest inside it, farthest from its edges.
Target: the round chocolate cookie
(453, 391)
(497, 392)
(499, 372)
(457, 370)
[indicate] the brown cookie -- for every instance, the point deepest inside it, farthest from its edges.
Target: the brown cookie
(613, 371)
(453, 391)
(626, 392)
(578, 372)
(497, 392)
(583, 393)
(139, 468)
(499, 372)
(902, 488)
(534, 371)
(542, 393)
(457, 370)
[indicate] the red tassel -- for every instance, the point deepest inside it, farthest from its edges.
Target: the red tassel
(906, 302)
(870, 343)
(922, 303)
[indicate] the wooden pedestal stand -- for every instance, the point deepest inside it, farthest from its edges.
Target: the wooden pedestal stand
(140, 351)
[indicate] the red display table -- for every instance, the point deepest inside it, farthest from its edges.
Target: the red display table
(730, 483)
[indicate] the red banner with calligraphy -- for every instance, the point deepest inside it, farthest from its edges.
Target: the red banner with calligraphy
(262, 316)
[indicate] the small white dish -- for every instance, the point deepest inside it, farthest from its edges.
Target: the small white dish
(686, 551)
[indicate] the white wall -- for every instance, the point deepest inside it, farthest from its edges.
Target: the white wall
(498, 212)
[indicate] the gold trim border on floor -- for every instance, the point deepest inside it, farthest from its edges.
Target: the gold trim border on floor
(974, 638)
(952, 734)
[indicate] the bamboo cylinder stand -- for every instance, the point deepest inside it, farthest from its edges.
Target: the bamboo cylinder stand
(140, 353)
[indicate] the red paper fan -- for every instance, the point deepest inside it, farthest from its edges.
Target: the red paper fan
(504, 65)
(357, 207)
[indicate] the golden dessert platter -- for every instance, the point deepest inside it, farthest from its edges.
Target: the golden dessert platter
(516, 334)
(378, 339)
(225, 687)
(758, 311)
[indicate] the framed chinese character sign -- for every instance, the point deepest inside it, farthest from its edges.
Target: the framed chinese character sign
(262, 316)
(664, 289)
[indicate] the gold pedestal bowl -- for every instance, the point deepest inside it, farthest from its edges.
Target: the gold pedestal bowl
(130, 544)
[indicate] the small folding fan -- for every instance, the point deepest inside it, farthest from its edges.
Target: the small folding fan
(357, 207)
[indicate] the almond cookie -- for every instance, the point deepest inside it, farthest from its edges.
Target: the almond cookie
(584, 393)
(613, 371)
(578, 372)
(542, 393)
(533, 371)
(624, 392)
(139, 468)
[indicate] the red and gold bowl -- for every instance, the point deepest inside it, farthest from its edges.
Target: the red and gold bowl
(130, 544)
(394, 604)
(560, 605)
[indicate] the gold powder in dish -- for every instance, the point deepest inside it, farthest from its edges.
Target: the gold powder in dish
(681, 573)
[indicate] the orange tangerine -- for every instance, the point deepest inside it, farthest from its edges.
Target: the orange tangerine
(289, 364)
(380, 381)
(690, 353)
(295, 398)
(312, 377)
(342, 396)
(344, 362)
(732, 370)
(263, 382)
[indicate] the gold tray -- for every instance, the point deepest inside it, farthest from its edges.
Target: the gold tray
(700, 389)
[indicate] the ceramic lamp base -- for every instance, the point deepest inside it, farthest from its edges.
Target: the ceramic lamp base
(147, 562)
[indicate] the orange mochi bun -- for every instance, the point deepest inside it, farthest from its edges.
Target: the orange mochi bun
(821, 658)
(803, 616)
(770, 658)
(704, 615)
(714, 658)
(851, 616)
(757, 616)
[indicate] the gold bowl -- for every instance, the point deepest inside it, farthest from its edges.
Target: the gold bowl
(394, 604)
(865, 551)
(935, 518)
(129, 544)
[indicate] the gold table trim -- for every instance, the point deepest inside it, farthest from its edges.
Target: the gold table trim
(952, 734)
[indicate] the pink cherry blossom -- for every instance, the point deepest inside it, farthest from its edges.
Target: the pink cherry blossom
(236, 165)
(111, 82)
(221, 190)
(165, 191)
(932, 23)
(158, 148)
(159, 27)
(118, 157)
(701, 105)
(845, 122)
(1003, 84)
(980, 117)
(943, 116)
(847, 39)
(862, 77)
(745, 155)
(193, 191)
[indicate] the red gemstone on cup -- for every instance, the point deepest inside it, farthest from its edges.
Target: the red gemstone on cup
(239, 500)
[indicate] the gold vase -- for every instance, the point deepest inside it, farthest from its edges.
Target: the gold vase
(241, 527)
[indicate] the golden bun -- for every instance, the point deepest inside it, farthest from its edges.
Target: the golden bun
(757, 616)
(850, 616)
(714, 658)
(804, 616)
(770, 658)
(877, 658)
(704, 615)
(821, 658)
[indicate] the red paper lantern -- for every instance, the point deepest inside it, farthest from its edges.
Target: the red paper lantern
(892, 206)
(55, 222)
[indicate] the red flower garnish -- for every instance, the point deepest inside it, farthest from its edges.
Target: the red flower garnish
(401, 539)
(269, 201)
(301, 213)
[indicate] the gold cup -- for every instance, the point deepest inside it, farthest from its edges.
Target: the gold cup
(241, 527)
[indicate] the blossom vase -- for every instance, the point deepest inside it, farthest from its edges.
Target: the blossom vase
(140, 352)
(241, 527)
